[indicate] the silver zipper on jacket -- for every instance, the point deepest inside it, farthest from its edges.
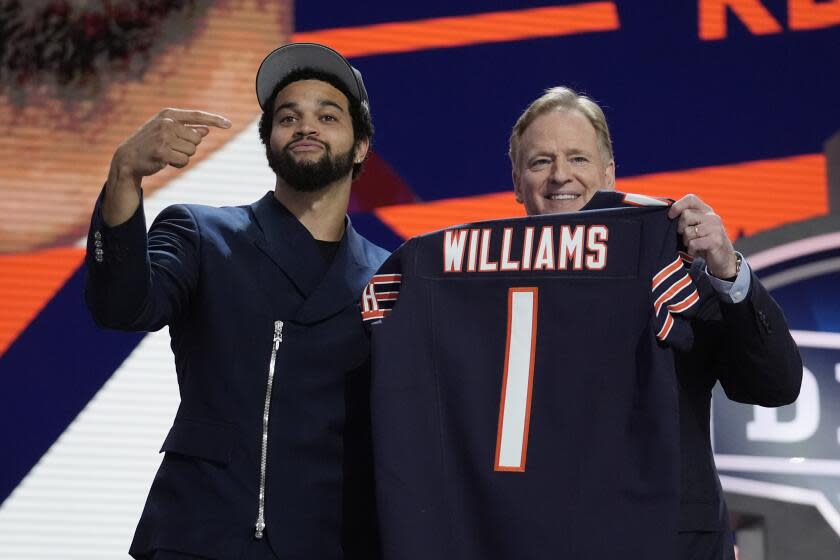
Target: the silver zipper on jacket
(278, 338)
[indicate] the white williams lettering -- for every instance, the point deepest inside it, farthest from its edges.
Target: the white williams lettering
(553, 248)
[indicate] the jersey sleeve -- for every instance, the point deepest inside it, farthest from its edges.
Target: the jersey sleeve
(674, 295)
(382, 291)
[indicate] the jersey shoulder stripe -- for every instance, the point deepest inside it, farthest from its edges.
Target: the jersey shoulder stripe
(632, 199)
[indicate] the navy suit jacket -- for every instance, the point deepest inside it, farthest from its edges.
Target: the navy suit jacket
(221, 279)
(746, 346)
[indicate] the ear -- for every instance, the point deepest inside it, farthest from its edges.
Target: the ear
(362, 147)
(609, 176)
(517, 190)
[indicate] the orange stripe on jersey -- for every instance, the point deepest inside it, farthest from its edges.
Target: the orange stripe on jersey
(666, 328)
(386, 278)
(473, 29)
(687, 259)
(371, 315)
(663, 274)
(671, 292)
(679, 307)
(686, 303)
(633, 199)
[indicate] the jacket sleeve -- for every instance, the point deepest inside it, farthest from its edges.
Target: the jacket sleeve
(138, 281)
(754, 355)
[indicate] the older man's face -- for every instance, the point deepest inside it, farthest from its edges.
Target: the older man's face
(559, 166)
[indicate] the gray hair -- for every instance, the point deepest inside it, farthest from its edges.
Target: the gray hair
(562, 98)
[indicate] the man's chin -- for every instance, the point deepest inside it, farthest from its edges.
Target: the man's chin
(310, 172)
(571, 205)
(306, 187)
(308, 157)
(557, 206)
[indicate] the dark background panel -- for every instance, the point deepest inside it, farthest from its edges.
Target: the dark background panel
(311, 16)
(674, 102)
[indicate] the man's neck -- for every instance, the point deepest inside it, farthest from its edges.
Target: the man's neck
(321, 212)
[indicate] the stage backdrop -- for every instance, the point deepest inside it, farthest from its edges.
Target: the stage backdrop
(729, 99)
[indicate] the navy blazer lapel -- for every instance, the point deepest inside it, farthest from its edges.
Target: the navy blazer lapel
(343, 283)
(288, 244)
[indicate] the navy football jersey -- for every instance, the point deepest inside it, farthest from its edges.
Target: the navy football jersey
(524, 401)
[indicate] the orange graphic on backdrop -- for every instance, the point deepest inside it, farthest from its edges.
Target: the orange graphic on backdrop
(752, 13)
(47, 201)
(813, 14)
(750, 197)
(27, 283)
(447, 32)
(802, 15)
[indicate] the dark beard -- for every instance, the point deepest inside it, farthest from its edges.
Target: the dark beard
(310, 176)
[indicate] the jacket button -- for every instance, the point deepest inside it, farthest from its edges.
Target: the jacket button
(762, 317)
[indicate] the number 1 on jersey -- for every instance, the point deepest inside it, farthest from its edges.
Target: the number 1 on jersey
(515, 405)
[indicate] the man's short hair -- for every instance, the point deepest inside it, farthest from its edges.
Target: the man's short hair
(359, 110)
(562, 98)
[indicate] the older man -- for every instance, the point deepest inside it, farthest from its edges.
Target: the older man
(269, 454)
(561, 155)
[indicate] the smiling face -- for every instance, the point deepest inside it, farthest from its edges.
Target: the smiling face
(312, 143)
(559, 167)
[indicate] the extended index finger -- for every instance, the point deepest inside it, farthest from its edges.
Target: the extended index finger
(193, 117)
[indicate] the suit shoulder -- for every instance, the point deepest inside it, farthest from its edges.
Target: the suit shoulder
(224, 217)
(376, 255)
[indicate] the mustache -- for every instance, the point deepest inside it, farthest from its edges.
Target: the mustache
(292, 144)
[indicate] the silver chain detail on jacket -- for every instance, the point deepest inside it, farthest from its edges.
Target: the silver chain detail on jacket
(278, 338)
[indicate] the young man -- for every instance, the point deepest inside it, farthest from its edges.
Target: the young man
(561, 155)
(269, 454)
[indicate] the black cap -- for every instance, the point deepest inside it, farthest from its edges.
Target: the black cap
(295, 56)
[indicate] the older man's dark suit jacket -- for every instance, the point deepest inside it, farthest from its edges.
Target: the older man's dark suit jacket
(222, 278)
(748, 348)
